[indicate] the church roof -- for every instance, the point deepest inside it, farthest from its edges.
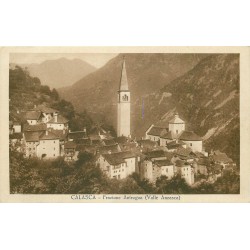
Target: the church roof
(157, 131)
(124, 80)
(176, 119)
(169, 135)
(189, 136)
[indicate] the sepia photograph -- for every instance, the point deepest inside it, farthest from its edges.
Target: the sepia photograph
(124, 123)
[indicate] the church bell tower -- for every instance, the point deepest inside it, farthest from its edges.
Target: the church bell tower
(123, 105)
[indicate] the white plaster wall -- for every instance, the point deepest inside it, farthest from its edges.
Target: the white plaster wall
(196, 146)
(176, 126)
(49, 147)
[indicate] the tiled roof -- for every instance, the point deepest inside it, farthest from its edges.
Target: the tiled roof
(189, 136)
(32, 136)
(37, 127)
(128, 146)
(16, 136)
(155, 154)
(147, 143)
(183, 151)
(74, 135)
(169, 135)
(62, 134)
(111, 148)
(69, 145)
(32, 115)
(163, 163)
(47, 135)
(60, 119)
(45, 109)
(222, 157)
(203, 161)
(157, 131)
(174, 144)
(118, 158)
(83, 141)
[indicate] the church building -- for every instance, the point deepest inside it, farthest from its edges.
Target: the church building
(123, 105)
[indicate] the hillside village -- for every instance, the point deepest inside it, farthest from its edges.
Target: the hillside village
(167, 150)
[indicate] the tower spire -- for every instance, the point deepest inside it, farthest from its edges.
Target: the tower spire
(124, 80)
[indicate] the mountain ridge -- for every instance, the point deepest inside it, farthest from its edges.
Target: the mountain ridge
(60, 72)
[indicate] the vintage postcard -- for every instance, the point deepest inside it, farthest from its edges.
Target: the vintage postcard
(125, 124)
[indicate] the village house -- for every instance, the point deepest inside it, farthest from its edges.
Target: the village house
(155, 164)
(33, 117)
(221, 159)
(185, 170)
(192, 140)
(48, 146)
(153, 169)
(41, 144)
(58, 122)
(118, 165)
(47, 113)
(70, 151)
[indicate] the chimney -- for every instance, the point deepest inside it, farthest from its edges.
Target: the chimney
(64, 131)
(109, 152)
(34, 106)
(69, 131)
(17, 111)
(56, 115)
(84, 129)
(176, 114)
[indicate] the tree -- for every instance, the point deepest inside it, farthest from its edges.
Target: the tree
(83, 158)
(176, 185)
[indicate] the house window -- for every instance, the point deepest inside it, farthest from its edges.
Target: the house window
(54, 155)
(190, 144)
(54, 148)
(167, 170)
(177, 131)
(54, 141)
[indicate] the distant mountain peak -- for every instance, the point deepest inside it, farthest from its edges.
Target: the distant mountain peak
(60, 72)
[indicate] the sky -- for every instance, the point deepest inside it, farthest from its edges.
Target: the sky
(95, 59)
